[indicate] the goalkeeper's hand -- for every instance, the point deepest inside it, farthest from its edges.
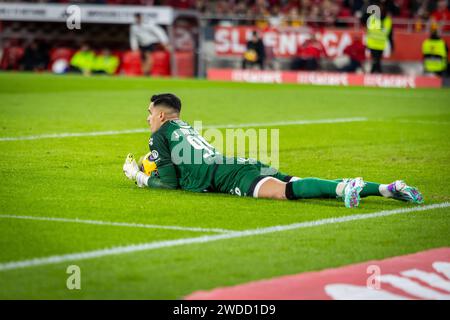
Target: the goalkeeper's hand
(130, 167)
(131, 170)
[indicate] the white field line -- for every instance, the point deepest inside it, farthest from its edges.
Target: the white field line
(218, 126)
(285, 123)
(423, 122)
(74, 134)
(115, 224)
(205, 239)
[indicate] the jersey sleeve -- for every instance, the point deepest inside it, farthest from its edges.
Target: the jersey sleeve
(159, 148)
(156, 182)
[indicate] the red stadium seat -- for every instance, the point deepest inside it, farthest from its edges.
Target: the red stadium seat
(131, 63)
(185, 63)
(11, 58)
(60, 53)
(118, 54)
(161, 63)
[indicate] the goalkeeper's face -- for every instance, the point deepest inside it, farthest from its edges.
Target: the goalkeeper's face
(154, 118)
(157, 115)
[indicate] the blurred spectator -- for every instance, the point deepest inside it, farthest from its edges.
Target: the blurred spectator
(305, 6)
(35, 57)
(200, 6)
(356, 7)
(82, 60)
(276, 17)
(147, 37)
(329, 12)
(240, 9)
(379, 34)
(435, 54)
(223, 10)
(343, 13)
(314, 16)
(182, 4)
(288, 5)
(309, 55)
(441, 16)
(390, 6)
(261, 11)
(355, 54)
(421, 16)
(105, 63)
(255, 53)
(293, 19)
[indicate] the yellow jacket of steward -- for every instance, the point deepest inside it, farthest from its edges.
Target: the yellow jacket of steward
(435, 55)
(378, 32)
(83, 60)
(106, 63)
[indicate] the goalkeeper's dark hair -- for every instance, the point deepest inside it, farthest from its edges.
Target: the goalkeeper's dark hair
(168, 100)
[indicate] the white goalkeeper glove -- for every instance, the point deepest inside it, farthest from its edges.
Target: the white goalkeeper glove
(132, 172)
(130, 167)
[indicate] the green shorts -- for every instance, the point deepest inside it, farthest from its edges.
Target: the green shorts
(243, 177)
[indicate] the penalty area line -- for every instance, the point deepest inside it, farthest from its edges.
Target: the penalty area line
(114, 224)
(218, 126)
(13, 265)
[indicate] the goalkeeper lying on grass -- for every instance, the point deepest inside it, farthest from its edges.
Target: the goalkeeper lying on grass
(185, 160)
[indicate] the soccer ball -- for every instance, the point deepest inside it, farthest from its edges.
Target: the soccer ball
(147, 165)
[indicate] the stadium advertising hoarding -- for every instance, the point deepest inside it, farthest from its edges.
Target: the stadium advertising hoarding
(123, 14)
(325, 78)
(422, 275)
(230, 41)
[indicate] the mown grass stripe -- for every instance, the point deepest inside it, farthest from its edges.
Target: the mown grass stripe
(219, 126)
(206, 239)
(115, 224)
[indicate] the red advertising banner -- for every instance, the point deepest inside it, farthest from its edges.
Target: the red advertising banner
(423, 275)
(325, 78)
(232, 41)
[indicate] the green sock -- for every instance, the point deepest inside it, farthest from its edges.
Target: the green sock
(370, 189)
(313, 188)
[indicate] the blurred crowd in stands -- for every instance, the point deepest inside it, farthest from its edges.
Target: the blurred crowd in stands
(278, 13)
(150, 55)
(292, 12)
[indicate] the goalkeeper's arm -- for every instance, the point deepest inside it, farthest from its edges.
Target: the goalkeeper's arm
(156, 182)
(167, 175)
(167, 178)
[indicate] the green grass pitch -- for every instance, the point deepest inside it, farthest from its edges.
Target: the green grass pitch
(406, 135)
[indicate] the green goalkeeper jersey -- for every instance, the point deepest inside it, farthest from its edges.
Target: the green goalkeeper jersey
(183, 157)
